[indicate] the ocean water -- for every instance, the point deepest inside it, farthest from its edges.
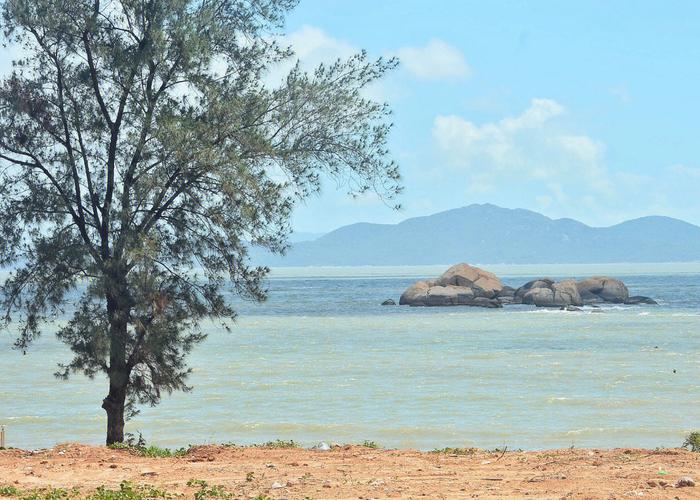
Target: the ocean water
(322, 360)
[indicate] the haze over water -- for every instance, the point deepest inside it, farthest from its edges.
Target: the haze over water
(322, 360)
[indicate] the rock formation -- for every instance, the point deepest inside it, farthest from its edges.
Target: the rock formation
(461, 284)
(467, 285)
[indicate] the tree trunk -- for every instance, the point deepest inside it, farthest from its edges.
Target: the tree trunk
(118, 310)
(113, 404)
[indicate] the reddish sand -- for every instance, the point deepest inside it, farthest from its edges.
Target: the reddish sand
(359, 472)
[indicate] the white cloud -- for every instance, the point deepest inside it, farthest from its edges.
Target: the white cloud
(313, 46)
(561, 167)
(437, 60)
(685, 171)
(622, 93)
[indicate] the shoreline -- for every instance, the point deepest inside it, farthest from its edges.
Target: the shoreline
(355, 471)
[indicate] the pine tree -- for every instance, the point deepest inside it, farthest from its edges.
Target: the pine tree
(142, 151)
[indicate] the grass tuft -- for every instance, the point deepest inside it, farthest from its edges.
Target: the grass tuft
(278, 443)
(150, 451)
(455, 451)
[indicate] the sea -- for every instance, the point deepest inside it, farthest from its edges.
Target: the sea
(322, 360)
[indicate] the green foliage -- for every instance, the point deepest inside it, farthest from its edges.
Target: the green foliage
(455, 451)
(128, 491)
(278, 443)
(150, 451)
(370, 444)
(8, 491)
(39, 494)
(204, 490)
(692, 442)
(142, 152)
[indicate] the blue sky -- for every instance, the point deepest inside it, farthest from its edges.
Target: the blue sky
(586, 110)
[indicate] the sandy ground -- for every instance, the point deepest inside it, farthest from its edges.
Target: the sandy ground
(359, 472)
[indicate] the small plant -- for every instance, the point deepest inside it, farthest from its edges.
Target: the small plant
(128, 491)
(150, 451)
(278, 443)
(8, 491)
(250, 476)
(692, 441)
(455, 451)
(39, 494)
(206, 491)
(370, 444)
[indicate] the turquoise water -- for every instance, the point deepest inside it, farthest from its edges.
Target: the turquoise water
(322, 360)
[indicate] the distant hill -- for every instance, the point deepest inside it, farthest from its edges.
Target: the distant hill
(487, 234)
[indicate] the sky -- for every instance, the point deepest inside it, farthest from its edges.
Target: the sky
(581, 109)
(586, 110)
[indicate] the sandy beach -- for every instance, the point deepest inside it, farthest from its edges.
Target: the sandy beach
(359, 472)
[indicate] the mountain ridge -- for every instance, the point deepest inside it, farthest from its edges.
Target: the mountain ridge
(490, 234)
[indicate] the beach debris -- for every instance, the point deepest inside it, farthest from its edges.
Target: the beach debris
(322, 446)
(485, 462)
(148, 472)
(270, 465)
(377, 482)
(652, 484)
(685, 482)
(277, 485)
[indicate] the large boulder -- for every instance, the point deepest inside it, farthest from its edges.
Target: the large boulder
(548, 293)
(472, 277)
(460, 285)
(416, 294)
(602, 289)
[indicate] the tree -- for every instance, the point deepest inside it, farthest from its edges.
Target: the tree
(142, 150)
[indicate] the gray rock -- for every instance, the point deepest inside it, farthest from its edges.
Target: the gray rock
(547, 293)
(540, 283)
(640, 299)
(573, 309)
(322, 446)
(685, 482)
(485, 302)
(605, 288)
(389, 302)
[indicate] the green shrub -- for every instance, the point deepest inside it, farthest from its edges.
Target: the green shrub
(128, 491)
(206, 491)
(692, 441)
(370, 444)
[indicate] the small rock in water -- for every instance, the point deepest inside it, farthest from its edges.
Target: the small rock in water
(685, 482)
(277, 485)
(389, 302)
(321, 447)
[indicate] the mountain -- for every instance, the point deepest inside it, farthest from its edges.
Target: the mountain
(487, 234)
